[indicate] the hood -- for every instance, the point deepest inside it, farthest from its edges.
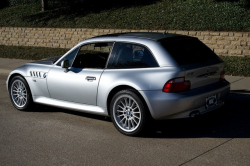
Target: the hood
(47, 61)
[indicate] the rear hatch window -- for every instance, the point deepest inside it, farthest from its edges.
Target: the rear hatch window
(188, 50)
(202, 66)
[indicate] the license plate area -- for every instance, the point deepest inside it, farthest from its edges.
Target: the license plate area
(211, 101)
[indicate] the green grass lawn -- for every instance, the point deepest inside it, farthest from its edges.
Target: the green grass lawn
(29, 53)
(236, 66)
(218, 15)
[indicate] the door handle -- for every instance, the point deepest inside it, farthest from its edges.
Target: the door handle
(89, 78)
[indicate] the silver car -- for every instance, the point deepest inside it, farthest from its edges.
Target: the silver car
(131, 77)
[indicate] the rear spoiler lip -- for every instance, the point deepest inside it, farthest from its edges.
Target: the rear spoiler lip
(207, 75)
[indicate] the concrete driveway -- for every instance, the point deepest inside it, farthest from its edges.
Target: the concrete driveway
(51, 136)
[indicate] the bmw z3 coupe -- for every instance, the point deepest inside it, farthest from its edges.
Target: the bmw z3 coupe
(131, 77)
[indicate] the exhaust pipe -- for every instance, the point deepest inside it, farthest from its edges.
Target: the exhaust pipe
(194, 114)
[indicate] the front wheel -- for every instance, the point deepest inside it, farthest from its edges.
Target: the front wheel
(20, 93)
(128, 113)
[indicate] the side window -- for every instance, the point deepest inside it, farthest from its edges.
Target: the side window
(128, 55)
(93, 55)
(69, 57)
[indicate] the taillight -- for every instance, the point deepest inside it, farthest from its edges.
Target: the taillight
(176, 85)
(222, 75)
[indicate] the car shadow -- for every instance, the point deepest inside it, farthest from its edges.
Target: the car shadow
(229, 121)
(46, 108)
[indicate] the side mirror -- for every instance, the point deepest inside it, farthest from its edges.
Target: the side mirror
(65, 65)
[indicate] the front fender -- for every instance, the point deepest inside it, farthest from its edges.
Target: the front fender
(32, 74)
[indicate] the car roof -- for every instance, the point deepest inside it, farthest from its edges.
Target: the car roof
(148, 39)
(144, 35)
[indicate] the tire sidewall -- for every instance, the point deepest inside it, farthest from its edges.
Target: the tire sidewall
(29, 97)
(139, 130)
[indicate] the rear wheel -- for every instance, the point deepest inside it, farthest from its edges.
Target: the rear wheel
(128, 113)
(20, 93)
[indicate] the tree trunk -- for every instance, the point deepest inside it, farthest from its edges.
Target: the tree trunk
(44, 5)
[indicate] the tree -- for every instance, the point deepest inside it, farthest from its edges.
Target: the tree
(44, 5)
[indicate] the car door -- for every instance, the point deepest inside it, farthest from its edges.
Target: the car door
(79, 84)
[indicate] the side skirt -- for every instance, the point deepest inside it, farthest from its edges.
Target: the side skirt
(71, 105)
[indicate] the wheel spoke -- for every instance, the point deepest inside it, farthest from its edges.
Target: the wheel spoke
(123, 104)
(19, 93)
(120, 115)
(126, 101)
(18, 101)
(132, 122)
(119, 111)
(15, 96)
(122, 119)
(136, 117)
(19, 84)
(135, 121)
(129, 102)
(21, 101)
(127, 113)
(134, 108)
(120, 107)
(129, 125)
(125, 124)
(132, 104)
(15, 86)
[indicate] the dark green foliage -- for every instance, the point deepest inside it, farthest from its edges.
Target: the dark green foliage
(30, 53)
(237, 66)
(21, 2)
(214, 15)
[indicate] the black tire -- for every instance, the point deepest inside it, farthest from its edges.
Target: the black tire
(20, 94)
(127, 108)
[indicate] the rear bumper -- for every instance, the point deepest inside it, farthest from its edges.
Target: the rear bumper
(180, 105)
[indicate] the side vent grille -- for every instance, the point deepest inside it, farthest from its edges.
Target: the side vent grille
(37, 74)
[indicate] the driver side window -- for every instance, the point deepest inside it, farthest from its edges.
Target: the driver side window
(70, 57)
(93, 55)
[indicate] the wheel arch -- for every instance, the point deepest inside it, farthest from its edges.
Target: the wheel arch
(123, 87)
(17, 74)
(12, 76)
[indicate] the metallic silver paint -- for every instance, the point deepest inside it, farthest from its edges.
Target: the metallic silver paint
(72, 90)
(70, 105)
(179, 105)
(73, 85)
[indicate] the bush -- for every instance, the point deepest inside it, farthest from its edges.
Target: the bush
(21, 2)
(237, 66)
(213, 15)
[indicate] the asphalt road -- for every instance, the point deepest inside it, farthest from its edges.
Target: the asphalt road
(52, 136)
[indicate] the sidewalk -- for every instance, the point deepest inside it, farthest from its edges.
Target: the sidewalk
(240, 86)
